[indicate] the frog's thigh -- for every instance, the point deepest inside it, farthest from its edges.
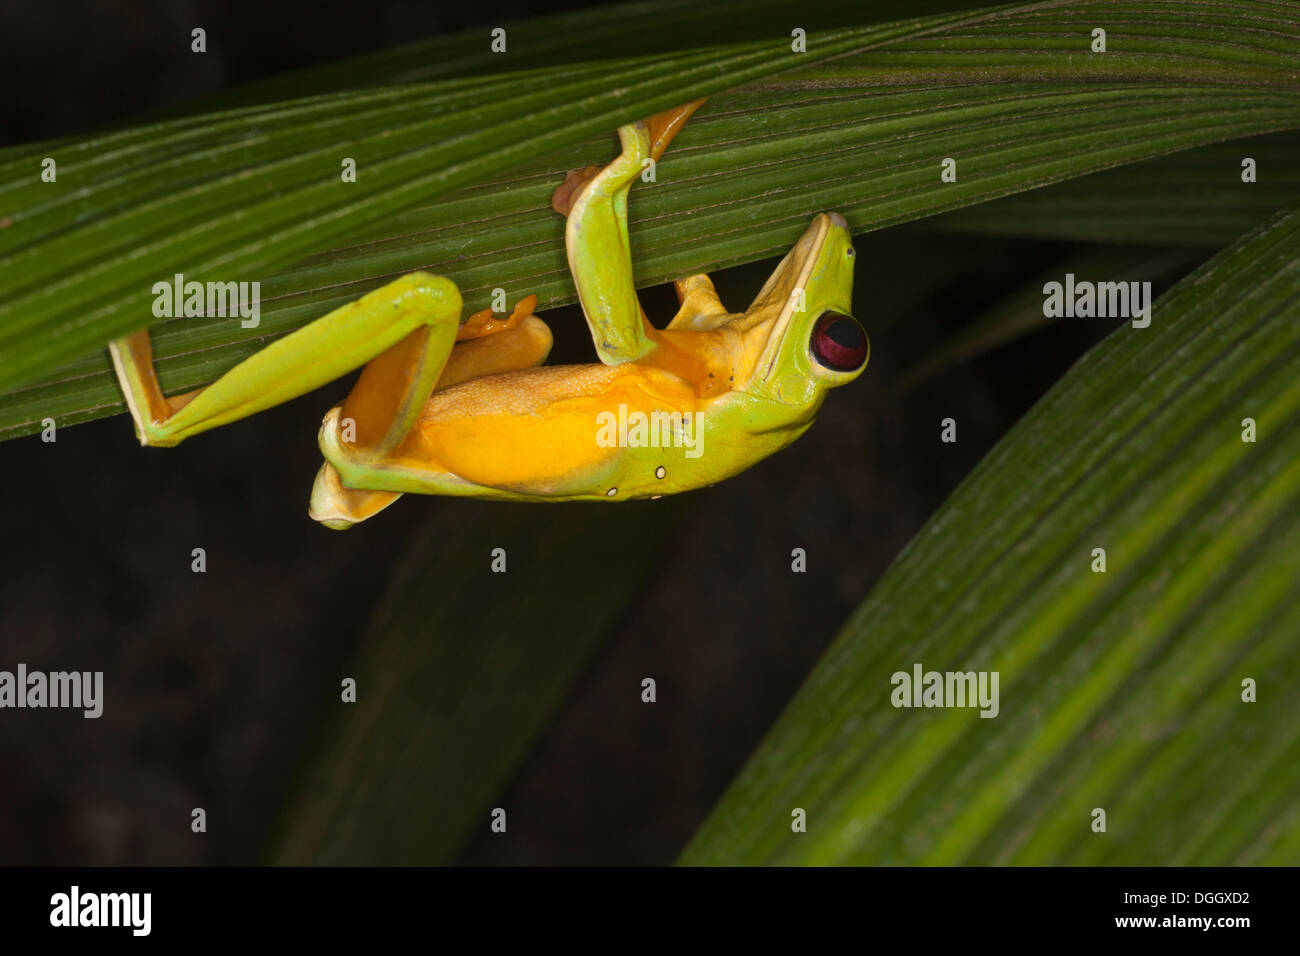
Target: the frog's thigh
(413, 469)
(340, 502)
(382, 408)
(552, 450)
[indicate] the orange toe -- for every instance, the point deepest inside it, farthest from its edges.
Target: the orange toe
(486, 322)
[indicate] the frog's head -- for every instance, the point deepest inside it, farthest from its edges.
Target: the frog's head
(802, 322)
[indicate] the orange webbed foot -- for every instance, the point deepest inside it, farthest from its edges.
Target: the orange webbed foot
(563, 198)
(662, 128)
(486, 322)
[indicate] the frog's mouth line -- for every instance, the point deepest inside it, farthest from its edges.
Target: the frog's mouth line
(805, 253)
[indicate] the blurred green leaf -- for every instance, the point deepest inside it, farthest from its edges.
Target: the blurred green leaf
(1022, 312)
(458, 673)
(1011, 93)
(1193, 198)
(1119, 690)
(632, 29)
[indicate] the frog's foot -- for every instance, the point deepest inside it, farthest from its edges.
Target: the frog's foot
(662, 128)
(356, 482)
(132, 357)
(340, 508)
(485, 321)
(666, 125)
(574, 181)
(336, 502)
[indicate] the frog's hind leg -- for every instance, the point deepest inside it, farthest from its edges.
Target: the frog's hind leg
(418, 307)
(357, 429)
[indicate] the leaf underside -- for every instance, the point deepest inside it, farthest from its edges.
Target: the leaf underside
(1013, 95)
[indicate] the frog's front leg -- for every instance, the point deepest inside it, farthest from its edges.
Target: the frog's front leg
(663, 128)
(596, 240)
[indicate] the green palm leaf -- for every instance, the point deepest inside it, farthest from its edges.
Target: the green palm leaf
(1012, 93)
(457, 674)
(247, 191)
(1120, 690)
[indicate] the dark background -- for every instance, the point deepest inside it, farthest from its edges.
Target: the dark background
(219, 681)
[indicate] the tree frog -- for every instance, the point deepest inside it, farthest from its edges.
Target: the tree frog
(452, 408)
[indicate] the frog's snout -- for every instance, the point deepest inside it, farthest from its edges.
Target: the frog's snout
(837, 220)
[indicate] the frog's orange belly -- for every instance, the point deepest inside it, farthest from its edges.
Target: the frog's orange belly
(545, 430)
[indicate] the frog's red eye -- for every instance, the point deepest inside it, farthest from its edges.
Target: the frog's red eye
(839, 343)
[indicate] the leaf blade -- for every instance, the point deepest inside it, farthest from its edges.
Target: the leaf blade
(746, 174)
(1192, 519)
